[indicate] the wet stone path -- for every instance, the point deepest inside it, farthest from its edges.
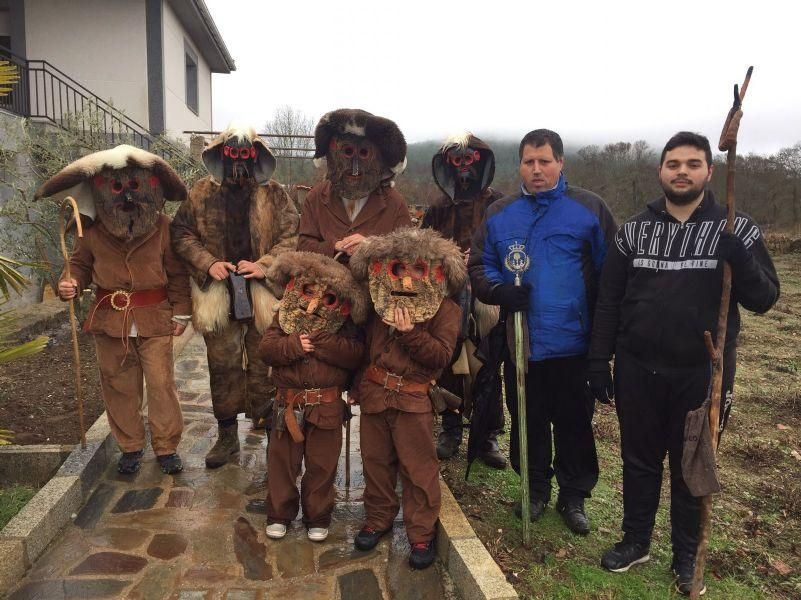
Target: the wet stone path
(199, 535)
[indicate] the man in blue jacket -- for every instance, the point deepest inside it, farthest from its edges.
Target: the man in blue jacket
(565, 231)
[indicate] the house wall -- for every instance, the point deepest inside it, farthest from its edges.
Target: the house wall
(99, 43)
(178, 116)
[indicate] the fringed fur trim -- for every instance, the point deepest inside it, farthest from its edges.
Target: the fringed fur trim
(409, 244)
(265, 305)
(210, 307)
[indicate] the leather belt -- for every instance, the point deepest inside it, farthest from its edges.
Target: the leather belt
(292, 397)
(394, 383)
(123, 300)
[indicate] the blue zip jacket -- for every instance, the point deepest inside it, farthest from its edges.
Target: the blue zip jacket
(565, 232)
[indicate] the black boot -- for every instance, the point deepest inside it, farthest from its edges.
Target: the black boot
(450, 438)
(130, 462)
(227, 445)
(572, 511)
(491, 454)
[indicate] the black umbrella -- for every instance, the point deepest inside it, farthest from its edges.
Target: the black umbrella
(492, 351)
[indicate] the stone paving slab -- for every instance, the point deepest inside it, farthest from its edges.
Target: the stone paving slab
(200, 533)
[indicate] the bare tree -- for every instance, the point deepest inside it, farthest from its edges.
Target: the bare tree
(291, 128)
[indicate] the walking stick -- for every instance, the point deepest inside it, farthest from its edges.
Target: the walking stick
(728, 143)
(517, 261)
(69, 202)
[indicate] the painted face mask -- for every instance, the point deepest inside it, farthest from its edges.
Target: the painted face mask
(127, 201)
(239, 159)
(355, 166)
(417, 285)
(465, 169)
(308, 307)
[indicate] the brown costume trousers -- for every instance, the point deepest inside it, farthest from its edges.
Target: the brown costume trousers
(394, 442)
(239, 378)
(122, 374)
(320, 453)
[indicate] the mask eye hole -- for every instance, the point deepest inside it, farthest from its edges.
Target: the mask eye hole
(364, 152)
(133, 185)
(348, 150)
(397, 269)
(455, 159)
(116, 186)
(330, 300)
(308, 290)
(419, 270)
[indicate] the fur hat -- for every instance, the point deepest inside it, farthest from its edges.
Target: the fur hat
(265, 159)
(70, 181)
(382, 132)
(409, 243)
(323, 270)
(439, 164)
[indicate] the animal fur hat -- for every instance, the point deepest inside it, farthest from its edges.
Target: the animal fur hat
(410, 244)
(213, 159)
(324, 271)
(73, 179)
(382, 132)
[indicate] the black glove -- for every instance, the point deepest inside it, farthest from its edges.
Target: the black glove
(600, 382)
(732, 249)
(511, 297)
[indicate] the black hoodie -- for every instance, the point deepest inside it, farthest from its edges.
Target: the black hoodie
(661, 284)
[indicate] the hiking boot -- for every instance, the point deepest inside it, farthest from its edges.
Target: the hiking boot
(227, 444)
(275, 531)
(170, 463)
(447, 444)
(422, 555)
(572, 511)
(130, 462)
(368, 538)
(535, 509)
(684, 571)
(625, 555)
(491, 455)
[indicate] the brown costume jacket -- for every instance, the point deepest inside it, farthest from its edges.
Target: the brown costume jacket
(335, 357)
(144, 263)
(323, 220)
(418, 355)
(459, 219)
(199, 227)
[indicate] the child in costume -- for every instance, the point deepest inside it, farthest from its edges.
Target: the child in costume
(313, 346)
(142, 292)
(410, 339)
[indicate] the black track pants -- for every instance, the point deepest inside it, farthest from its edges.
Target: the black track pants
(556, 395)
(652, 404)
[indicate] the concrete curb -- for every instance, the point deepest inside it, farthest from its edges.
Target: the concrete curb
(475, 574)
(26, 536)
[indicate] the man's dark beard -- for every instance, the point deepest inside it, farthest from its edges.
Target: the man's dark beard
(684, 198)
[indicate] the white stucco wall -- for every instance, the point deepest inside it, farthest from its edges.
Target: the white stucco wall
(178, 116)
(99, 43)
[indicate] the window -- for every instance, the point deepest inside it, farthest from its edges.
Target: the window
(190, 69)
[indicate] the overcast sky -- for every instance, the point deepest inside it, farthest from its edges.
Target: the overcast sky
(595, 72)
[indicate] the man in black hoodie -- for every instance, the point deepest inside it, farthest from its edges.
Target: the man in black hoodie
(463, 169)
(660, 290)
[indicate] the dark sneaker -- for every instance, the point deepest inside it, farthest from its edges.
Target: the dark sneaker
(491, 455)
(130, 462)
(422, 555)
(535, 509)
(625, 555)
(368, 538)
(573, 515)
(684, 571)
(447, 444)
(170, 463)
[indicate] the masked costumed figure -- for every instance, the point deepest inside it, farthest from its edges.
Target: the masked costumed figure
(363, 153)
(463, 169)
(234, 223)
(313, 347)
(410, 339)
(142, 291)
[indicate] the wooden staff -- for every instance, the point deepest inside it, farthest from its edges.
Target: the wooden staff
(68, 202)
(727, 143)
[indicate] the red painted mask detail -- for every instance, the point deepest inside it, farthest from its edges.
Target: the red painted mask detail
(99, 181)
(439, 274)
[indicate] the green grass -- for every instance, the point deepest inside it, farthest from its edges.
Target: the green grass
(756, 528)
(12, 499)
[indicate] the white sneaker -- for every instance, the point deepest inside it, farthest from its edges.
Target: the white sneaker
(276, 531)
(317, 534)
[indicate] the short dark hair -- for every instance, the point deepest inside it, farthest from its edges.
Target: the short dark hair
(540, 137)
(688, 138)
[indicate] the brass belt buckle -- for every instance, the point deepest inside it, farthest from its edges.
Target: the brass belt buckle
(316, 394)
(117, 294)
(397, 386)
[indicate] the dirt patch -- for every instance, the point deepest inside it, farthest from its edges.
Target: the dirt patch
(37, 394)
